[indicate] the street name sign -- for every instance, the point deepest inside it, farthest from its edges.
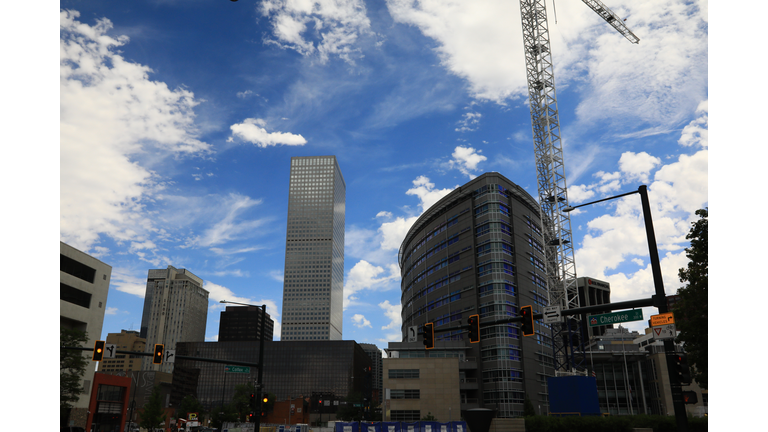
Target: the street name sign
(237, 369)
(616, 317)
(664, 332)
(662, 319)
(552, 315)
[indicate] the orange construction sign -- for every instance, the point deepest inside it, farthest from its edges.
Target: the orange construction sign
(662, 319)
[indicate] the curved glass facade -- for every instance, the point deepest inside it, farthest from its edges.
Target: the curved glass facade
(478, 251)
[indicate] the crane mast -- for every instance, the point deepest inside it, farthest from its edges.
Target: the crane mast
(550, 173)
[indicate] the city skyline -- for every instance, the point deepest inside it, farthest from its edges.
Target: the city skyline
(178, 124)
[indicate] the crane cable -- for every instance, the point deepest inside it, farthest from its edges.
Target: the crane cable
(554, 9)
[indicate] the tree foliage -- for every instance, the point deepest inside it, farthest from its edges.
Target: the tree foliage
(528, 409)
(348, 411)
(242, 401)
(429, 417)
(190, 404)
(72, 365)
(691, 310)
(222, 414)
(153, 413)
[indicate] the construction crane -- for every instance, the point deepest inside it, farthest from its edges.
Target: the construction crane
(550, 173)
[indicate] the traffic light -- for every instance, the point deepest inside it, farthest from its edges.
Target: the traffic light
(265, 398)
(474, 328)
(252, 403)
(527, 324)
(98, 350)
(429, 335)
(157, 358)
(681, 368)
(690, 397)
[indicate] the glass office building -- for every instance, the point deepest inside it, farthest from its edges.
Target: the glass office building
(479, 250)
(291, 369)
(314, 251)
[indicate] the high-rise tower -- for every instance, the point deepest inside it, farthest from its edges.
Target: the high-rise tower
(175, 310)
(314, 251)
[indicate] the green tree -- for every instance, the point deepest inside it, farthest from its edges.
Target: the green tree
(242, 401)
(528, 409)
(190, 404)
(72, 365)
(429, 417)
(222, 414)
(691, 310)
(153, 413)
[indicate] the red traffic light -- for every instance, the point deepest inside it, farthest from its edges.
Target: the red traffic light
(526, 312)
(474, 328)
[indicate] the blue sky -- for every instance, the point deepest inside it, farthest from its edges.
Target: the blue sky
(178, 121)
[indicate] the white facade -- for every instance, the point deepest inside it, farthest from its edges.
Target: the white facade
(175, 310)
(84, 285)
(314, 252)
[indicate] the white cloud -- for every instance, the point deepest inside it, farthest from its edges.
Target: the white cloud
(426, 192)
(230, 227)
(481, 42)
(360, 321)
(466, 159)
(393, 313)
(365, 275)
(253, 131)
(579, 193)
(128, 281)
(111, 311)
(637, 166)
(318, 27)
(244, 94)
(111, 117)
(469, 121)
(697, 131)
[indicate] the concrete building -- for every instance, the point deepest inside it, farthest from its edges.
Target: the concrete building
(291, 369)
(417, 387)
(479, 250)
(175, 310)
(593, 292)
(126, 340)
(314, 251)
(83, 289)
(243, 323)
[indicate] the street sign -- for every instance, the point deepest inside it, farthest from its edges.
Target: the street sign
(552, 315)
(412, 334)
(616, 317)
(237, 369)
(664, 332)
(662, 319)
(109, 351)
(170, 356)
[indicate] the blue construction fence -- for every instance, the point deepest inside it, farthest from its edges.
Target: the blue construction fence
(419, 426)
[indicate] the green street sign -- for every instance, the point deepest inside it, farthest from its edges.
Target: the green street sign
(237, 369)
(616, 317)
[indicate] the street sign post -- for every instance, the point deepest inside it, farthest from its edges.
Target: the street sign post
(616, 317)
(237, 369)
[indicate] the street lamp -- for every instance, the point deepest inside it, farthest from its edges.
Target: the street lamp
(660, 299)
(257, 415)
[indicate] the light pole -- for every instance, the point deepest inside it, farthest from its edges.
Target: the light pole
(260, 387)
(660, 299)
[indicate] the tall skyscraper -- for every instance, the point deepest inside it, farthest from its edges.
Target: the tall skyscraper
(175, 310)
(479, 250)
(314, 251)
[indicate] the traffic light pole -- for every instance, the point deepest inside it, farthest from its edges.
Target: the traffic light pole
(260, 393)
(661, 304)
